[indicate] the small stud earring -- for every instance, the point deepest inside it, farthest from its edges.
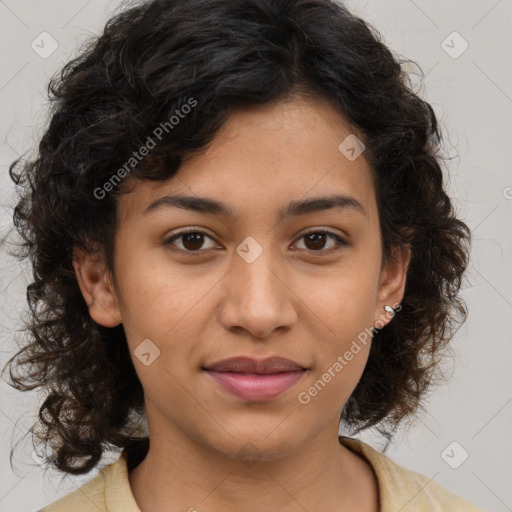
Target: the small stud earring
(389, 309)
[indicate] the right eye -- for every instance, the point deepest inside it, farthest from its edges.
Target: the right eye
(192, 240)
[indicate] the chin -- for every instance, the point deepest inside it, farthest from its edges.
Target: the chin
(267, 441)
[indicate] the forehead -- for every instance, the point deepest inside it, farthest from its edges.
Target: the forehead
(263, 157)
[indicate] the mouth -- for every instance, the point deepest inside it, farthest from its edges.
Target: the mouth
(254, 380)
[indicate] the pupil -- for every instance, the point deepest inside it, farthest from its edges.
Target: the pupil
(318, 240)
(196, 238)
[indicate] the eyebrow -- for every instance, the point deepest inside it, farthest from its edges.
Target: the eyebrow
(294, 208)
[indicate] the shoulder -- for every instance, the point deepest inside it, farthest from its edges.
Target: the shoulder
(108, 491)
(400, 487)
(90, 497)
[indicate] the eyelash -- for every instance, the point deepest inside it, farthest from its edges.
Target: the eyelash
(342, 243)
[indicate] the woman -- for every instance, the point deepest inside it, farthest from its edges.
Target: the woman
(239, 233)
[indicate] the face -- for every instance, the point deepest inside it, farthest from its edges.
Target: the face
(258, 280)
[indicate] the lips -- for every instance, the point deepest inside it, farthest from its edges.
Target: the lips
(262, 367)
(253, 380)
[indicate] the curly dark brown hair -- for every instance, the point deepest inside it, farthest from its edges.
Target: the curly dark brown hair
(151, 59)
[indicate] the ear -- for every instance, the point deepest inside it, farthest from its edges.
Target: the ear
(392, 285)
(97, 287)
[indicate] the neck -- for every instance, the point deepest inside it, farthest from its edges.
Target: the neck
(180, 474)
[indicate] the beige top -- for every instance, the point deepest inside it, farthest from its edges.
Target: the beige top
(400, 489)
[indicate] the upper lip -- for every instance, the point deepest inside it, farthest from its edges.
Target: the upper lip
(249, 365)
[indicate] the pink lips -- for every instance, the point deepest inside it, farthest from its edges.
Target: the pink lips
(254, 380)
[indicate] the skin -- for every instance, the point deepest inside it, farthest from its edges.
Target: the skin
(291, 301)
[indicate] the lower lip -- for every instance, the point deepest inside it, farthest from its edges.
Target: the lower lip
(254, 387)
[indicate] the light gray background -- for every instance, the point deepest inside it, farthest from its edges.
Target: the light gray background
(472, 96)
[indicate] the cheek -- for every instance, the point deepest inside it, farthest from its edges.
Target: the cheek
(341, 309)
(155, 298)
(169, 309)
(343, 301)
(340, 359)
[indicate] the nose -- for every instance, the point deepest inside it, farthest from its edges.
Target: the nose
(258, 297)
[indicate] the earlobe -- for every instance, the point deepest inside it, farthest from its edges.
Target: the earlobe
(96, 287)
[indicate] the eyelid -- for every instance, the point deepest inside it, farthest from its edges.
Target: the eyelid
(321, 229)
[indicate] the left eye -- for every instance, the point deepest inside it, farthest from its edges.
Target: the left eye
(318, 239)
(193, 240)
